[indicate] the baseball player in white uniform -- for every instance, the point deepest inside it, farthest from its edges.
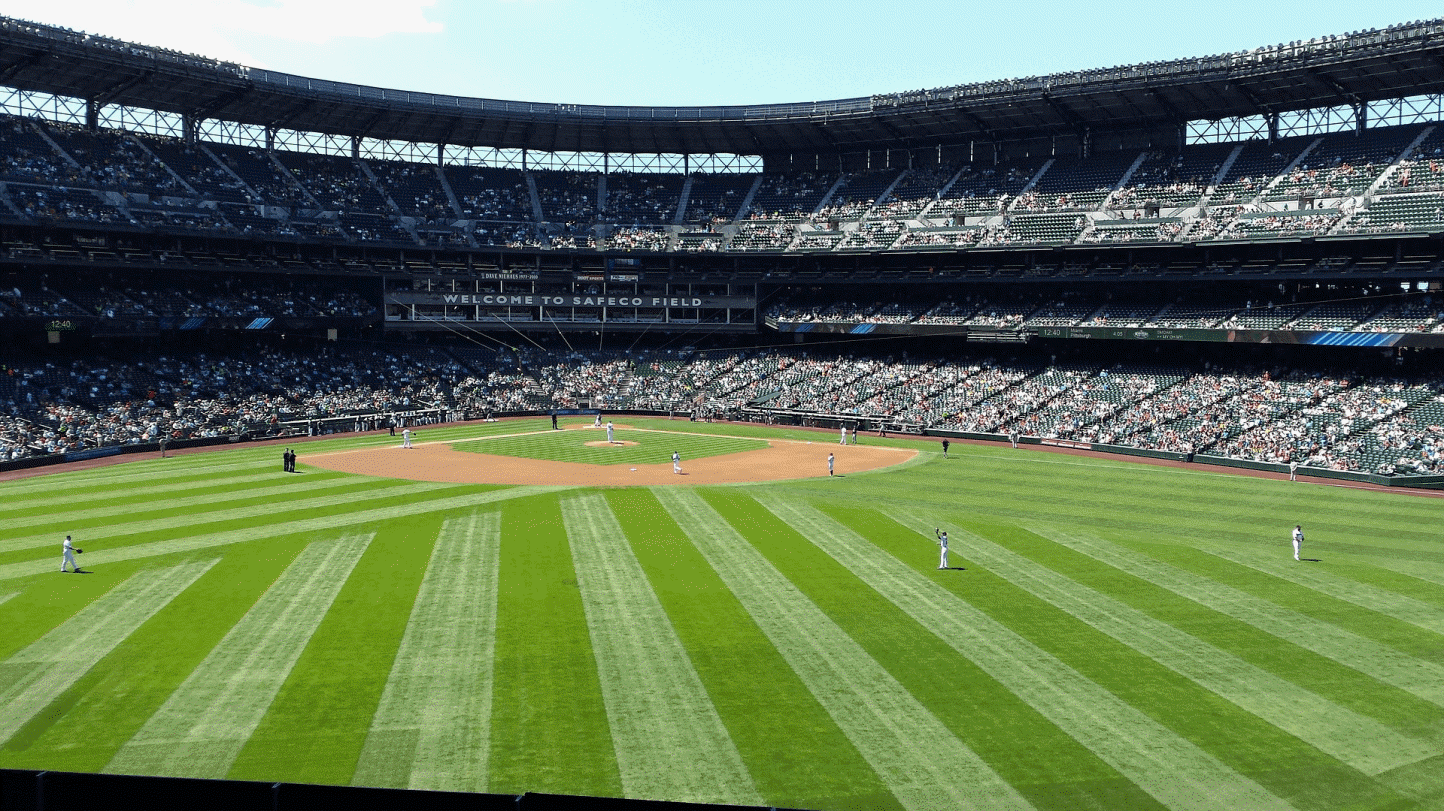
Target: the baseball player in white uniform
(676, 462)
(609, 432)
(405, 437)
(842, 440)
(829, 464)
(942, 541)
(1298, 539)
(68, 555)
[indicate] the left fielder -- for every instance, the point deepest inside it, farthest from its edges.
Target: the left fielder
(68, 551)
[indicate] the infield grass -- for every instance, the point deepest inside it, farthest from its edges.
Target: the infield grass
(631, 447)
(1111, 635)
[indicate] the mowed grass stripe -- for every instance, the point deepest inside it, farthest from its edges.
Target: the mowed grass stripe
(1406, 609)
(85, 726)
(202, 726)
(432, 728)
(801, 761)
(659, 712)
(919, 760)
(1425, 581)
(204, 536)
(203, 506)
(1122, 499)
(314, 730)
(1048, 767)
(34, 676)
(549, 722)
(305, 501)
(126, 493)
(1359, 741)
(1170, 768)
(97, 482)
(1387, 665)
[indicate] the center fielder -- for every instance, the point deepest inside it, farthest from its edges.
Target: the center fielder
(943, 542)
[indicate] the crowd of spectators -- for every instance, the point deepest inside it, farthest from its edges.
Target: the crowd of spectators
(1269, 415)
(638, 239)
(190, 298)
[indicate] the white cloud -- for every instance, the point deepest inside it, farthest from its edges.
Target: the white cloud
(216, 28)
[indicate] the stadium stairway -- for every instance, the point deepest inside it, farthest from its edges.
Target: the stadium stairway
(1033, 181)
(1286, 171)
(747, 201)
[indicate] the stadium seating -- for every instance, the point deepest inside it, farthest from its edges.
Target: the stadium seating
(1336, 184)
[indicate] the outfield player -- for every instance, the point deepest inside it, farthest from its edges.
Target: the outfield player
(943, 542)
(68, 551)
(945, 449)
(1293, 470)
(1298, 539)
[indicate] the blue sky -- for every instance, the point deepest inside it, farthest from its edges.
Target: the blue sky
(699, 52)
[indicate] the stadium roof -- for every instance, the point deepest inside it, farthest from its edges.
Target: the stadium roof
(1400, 61)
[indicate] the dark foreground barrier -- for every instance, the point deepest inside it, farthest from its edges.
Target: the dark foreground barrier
(74, 791)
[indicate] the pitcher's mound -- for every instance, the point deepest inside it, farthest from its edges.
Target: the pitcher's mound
(602, 443)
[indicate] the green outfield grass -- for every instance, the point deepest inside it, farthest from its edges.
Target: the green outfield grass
(1109, 635)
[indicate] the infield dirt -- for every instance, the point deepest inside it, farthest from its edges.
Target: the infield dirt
(781, 459)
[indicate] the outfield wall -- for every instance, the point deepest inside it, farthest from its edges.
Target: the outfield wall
(339, 426)
(75, 791)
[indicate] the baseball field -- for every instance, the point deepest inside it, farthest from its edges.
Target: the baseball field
(504, 608)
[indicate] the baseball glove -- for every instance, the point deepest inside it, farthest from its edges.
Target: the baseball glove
(79, 551)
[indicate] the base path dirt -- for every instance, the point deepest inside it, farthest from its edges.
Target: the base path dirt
(781, 459)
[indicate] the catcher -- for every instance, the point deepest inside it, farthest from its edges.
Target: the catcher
(71, 551)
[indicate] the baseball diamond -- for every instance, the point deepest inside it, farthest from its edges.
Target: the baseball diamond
(937, 449)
